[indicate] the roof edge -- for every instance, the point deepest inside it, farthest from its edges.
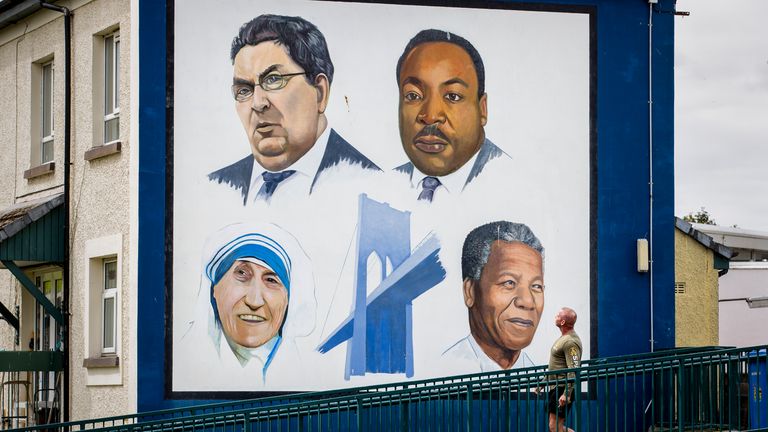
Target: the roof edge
(18, 12)
(36, 210)
(705, 240)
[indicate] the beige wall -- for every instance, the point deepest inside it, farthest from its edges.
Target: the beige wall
(100, 199)
(43, 43)
(100, 188)
(7, 125)
(9, 294)
(696, 311)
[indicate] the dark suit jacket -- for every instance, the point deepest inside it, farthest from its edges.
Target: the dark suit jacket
(488, 151)
(238, 175)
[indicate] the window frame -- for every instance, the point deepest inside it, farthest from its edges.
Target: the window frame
(46, 139)
(103, 369)
(109, 293)
(110, 113)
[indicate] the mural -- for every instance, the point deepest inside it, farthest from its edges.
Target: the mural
(341, 215)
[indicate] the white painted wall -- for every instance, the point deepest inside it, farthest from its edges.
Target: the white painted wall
(739, 325)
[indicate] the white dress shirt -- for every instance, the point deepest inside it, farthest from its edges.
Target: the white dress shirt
(450, 184)
(466, 356)
(298, 184)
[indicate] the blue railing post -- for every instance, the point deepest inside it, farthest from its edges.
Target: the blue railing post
(734, 416)
(680, 388)
(469, 406)
(359, 415)
(405, 414)
(577, 398)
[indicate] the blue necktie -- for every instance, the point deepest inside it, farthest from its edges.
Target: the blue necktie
(429, 184)
(271, 180)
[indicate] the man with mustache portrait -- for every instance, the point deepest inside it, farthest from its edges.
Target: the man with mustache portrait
(281, 83)
(443, 110)
(502, 265)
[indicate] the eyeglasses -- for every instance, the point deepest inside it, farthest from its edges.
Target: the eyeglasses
(244, 91)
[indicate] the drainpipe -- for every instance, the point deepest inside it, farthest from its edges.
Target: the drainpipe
(67, 162)
(650, 162)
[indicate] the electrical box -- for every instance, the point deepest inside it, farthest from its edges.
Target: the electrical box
(642, 255)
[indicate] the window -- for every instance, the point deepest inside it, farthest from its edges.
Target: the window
(111, 87)
(102, 311)
(41, 117)
(46, 114)
(109, 306)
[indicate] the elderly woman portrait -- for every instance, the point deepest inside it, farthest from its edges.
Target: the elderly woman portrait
(250, 301)
(256, 296)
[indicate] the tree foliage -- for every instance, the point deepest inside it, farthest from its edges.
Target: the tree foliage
(702, 216)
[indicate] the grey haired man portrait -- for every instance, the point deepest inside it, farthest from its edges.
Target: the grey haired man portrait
(502, 266)
(282, 75)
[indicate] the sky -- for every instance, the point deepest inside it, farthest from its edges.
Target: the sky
(721, 111)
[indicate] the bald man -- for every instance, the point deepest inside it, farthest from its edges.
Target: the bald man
(565, 354)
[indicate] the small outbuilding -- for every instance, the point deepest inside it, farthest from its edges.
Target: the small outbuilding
(699, 263)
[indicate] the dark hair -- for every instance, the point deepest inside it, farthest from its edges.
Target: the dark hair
(477, 245)
(432, 35)
(303, 41)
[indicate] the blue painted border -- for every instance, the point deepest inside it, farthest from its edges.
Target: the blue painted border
(623, 211)
(151, 276)
(621, 297)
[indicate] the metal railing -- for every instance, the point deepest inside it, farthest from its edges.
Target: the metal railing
(715, 389)
(239, 405)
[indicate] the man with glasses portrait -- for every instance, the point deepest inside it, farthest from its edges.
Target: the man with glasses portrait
(281, 82)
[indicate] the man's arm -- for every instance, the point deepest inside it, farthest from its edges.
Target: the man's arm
(572, 353)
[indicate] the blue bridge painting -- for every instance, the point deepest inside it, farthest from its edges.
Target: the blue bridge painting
(380, 327)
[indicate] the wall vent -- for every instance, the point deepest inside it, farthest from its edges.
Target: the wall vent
(679, 287)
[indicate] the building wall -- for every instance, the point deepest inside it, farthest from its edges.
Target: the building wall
(742, 326)
(45, 42)
(100, 210)
(8, 87)
(9, 294)
(696, 310)
(99, 206)
(21, 46)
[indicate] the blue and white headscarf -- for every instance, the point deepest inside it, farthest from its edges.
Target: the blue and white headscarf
(250, 245)
(271, 246)
(254, 247)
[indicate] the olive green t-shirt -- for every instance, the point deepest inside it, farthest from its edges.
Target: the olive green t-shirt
(566, 352)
